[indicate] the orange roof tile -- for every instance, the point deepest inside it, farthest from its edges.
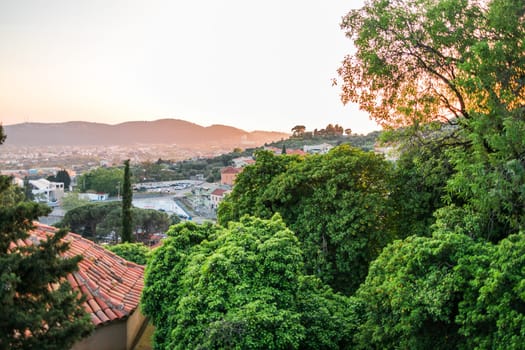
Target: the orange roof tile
(219, 192)
(230, 170)
(111, 284)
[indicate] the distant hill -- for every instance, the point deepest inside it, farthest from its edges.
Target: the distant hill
(164, 131)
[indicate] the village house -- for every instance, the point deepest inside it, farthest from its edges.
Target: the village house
(229, 174)
(112, 287)
(318, 149)
(217, 196)
(47, 191)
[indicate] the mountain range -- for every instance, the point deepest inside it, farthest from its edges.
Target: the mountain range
(163, 131)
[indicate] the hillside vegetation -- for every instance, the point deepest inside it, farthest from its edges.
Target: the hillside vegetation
(350, 251)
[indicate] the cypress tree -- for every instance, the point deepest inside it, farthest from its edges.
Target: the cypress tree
(127, 196)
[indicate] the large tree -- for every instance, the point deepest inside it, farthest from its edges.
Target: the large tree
(240, 287)
(98, 219)
(461, 62)
(104, 180)
(337, 204)
(447, 291)
(39, 308)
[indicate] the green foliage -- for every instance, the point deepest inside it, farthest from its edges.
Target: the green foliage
(135, 252)
(127, 197)
(72, 200)
(336, 203)
(61, 176)
(492, 314)
(34, 315)
(240, 287)
(250, 183)
(419, 182)
(103, 180)
(444, 292)
(410, 297)
(459, 61)
(101, 219)
(84, 220)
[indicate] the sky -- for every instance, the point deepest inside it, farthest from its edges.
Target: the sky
(255, 65)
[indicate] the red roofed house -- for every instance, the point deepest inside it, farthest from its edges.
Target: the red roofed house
(217, 196)
(229, 174)
(112, 287)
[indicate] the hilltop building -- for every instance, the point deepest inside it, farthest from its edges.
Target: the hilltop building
(318, 149)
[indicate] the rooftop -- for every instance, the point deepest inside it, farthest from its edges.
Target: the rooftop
(111, 284)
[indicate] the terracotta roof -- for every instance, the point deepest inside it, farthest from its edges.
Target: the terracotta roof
(295, 151)
(111, 284)
(219, 192)
(230, 170)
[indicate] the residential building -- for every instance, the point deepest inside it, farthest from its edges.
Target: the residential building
(318, 149)
(94, 197)
(47, 191)
(217, 196)
(229, 174)
(240, 162)
(112, 287)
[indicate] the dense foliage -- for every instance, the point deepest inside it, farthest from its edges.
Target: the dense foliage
(443, 292)
(97, 220)
(461, 62)
(337, 204)
(34, 313)
(101, 180)
(135, 252)
(429, 248)
(240, 287)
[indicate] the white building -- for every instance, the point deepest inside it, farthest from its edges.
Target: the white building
(94, 197)
(217, 196)
(318, 149)
(47, 191)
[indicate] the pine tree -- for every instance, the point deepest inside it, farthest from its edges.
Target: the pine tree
(127, 196)
(39, 309)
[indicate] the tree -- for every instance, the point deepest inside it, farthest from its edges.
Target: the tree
(239, 287)
(250, 183)
(135, 252)
(283, 150)
(72, 200)
(411, 295)
(127, 196)
(61, 176)
(39, 308)
(298, 130)
(105, 219)
(103, 180)
(87, 219)
(446, 291)
(28, 193)
(407, 66)
(459, 62)
(337, 204)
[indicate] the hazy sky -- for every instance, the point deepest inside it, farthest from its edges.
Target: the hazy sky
(256, 65)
